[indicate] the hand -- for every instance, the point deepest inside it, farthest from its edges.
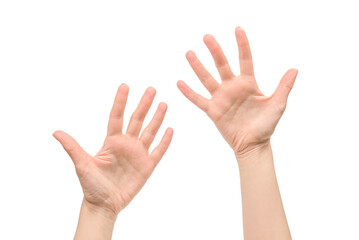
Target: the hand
(243, 115)
(112, 178)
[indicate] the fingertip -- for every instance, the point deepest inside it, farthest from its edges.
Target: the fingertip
(124, 87)
(58, 133)
(207, 37)
(54, 134)
(163, 105)
(151, 91)
(239, 29)
(60, 136)
(180, 84)
(190, 54)
(239, 32)
(168, 135)
(296, 71)
(293, 72)
(170, 131)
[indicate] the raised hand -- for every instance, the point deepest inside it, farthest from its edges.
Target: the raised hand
(243, 115)
(112, 178)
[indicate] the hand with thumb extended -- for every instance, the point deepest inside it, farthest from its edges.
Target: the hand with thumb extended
(112, 178)
(244, 116)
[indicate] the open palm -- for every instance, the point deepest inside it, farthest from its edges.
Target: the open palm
(113, 177)
(242, 114)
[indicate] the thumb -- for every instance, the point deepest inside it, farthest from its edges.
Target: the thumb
(285, 86)
(73, 149)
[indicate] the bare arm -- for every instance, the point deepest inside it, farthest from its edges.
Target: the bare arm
(246, 118)
(263, 212)
(95, 222)
(113, 177)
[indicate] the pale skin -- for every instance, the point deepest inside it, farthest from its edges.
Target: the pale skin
(246, 118)
(243, 115)
(113, 177)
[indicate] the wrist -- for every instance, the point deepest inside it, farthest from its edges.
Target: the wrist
(256, 154)
(95, 222)
(98, 211)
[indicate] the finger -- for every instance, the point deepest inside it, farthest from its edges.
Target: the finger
(206, 78)
(115, 122)
(150, 131)
(245, 55)
(159, 151)
(73, 149)
(136, 120)
(285, 86)
(218, 56)
(194, 97)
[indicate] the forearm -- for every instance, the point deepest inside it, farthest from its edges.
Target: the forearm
(263, 212)
(94, 223)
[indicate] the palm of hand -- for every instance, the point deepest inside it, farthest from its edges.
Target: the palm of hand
(109, 176)
(242, 114)
(113, 177)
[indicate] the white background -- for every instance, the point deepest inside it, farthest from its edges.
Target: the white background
(62, 61)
